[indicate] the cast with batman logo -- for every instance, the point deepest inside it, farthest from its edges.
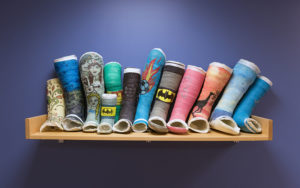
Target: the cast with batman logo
(108, 111)
(165, 95)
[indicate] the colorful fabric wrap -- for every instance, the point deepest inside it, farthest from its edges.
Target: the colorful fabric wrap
(91, 72)
(150, 79)
(165, 95)
(188, 92)
(55, 106)
(244, 74)
(67, 71)
(113, 83)
(217, 76)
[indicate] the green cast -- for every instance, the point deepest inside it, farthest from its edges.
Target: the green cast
(113, 83)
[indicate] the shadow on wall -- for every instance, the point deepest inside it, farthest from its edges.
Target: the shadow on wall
(140, 164)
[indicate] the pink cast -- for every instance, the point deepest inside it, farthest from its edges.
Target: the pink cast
(188, 92)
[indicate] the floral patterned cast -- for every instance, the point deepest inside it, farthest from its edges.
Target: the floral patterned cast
(56, 106)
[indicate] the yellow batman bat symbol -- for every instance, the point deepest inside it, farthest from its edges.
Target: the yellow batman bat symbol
(108, 111)
(165, 95)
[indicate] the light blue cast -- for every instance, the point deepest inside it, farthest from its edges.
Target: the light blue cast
(244, 74)
(148, 86)
(245, 107)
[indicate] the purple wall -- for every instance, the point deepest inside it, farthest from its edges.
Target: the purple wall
(33, 34)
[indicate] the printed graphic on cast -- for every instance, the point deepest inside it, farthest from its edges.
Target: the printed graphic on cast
(165, 95)
(201, 103)
(148, 77)
(55, 104)
(94, 101)
(94, 77)
(108, 111)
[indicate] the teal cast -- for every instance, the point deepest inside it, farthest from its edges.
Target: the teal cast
(150, 79)
(67, 71)
(243, 111)
(113, 83)
(244, 74)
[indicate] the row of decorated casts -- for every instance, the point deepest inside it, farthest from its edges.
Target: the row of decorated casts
(166, 97)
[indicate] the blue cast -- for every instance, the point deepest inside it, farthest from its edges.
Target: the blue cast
(67, 70)
(244, 74)
(245, 107)
(68, 73)
(149, 83)
(242, 77)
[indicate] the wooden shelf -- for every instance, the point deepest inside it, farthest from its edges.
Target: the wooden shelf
(33, 124)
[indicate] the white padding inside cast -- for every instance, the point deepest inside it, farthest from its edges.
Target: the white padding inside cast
(122, 126)
(132, 70)
(266, 80)
(66, 58)
(221, 65)
(175, 64)
(90, 126)
(251, 65)
(159, 49)
(225, 124)
(104, 128)
(139, 127)
(158, 124)
(199, 125)
(195, 68)
(72, 123)
(253, 125)
(178, 123)
(51, 126)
